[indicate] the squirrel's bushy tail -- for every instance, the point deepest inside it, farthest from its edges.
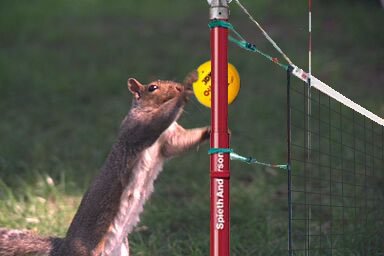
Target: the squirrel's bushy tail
(22, 243)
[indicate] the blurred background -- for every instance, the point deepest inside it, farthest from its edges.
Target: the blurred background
(63, 71)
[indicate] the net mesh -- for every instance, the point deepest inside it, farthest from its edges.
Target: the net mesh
(337, 180)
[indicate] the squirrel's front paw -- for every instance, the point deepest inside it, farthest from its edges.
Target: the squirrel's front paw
(206, 133)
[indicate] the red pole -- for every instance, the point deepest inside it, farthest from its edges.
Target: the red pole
(219, 167)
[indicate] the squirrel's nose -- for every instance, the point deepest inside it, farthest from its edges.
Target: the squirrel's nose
(179, 88)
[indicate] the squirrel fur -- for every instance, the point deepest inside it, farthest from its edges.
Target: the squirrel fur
(110, 208)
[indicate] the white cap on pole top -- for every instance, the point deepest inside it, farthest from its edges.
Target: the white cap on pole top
(219, 9)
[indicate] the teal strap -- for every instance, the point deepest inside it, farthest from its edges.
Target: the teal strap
(242, 43)
(248, 160)
(220, 23)
(219, 150)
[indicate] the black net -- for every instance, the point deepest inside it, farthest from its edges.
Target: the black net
(336, 178)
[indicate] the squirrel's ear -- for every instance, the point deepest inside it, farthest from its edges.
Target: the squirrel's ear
(135, 87)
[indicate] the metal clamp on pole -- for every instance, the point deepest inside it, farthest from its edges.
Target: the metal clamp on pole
(219, 9)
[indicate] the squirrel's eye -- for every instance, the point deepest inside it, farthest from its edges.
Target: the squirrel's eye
(152, 88)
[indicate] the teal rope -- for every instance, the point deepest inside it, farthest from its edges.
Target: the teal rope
(248, 160)
(251, 47)
(242, 43)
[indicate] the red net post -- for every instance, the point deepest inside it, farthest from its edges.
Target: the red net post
(219, 166)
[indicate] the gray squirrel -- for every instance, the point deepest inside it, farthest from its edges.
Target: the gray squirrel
(110, 208)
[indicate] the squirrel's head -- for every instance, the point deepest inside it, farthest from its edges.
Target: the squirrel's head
(156, 93)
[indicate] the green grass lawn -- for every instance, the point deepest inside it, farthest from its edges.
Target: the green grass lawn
(63, 72)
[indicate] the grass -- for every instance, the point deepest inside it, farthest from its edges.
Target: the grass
(63, 72)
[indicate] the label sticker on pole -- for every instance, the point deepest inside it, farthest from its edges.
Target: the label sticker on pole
(202, 87)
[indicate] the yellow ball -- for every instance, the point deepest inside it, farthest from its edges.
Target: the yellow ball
(202, 87)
